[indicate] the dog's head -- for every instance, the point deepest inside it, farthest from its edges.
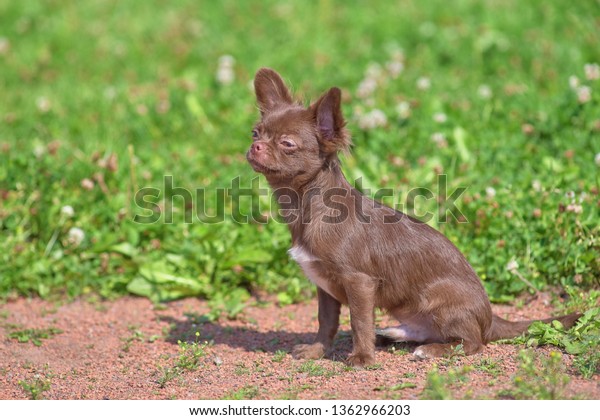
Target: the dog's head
(290, 140)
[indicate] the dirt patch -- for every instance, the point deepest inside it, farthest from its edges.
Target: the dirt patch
(128, 349)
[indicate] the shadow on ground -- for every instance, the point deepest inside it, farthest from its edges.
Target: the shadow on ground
(253, 340)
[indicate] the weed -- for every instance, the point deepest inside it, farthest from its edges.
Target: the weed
(35, 387)
(457, 352)
(538, 378)
(488, 365)
(375, 366)
(398, 349)
(580, 300)
(136, 335)
(313, 368)
(241, 369)
(582, 340)
(167, 374)
(279, 356)
(440, 386)
(247, 392)
(292, 392)
(189, 359)
(190, 354)
(35, 335)
(392, 392)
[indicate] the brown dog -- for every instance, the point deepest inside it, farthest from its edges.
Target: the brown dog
(359, 252)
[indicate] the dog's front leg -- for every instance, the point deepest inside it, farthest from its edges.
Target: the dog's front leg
(360, 290)
(329, 321)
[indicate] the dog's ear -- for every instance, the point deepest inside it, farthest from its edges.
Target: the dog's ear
(270, 90)
(330, 121)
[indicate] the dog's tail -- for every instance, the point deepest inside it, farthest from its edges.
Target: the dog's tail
(501, 328)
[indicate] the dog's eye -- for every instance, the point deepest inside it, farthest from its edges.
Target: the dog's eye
(287, 143)
(254, 134)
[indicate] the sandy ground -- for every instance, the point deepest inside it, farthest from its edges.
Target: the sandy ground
(128, 349)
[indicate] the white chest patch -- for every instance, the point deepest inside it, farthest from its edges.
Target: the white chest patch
(305, 259)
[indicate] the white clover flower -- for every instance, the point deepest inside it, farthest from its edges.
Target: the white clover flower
(490, 192)
(87, 184)
(575, 208)
(438, 137)
(570, 195)
(43, 104)
(396, 54)
(75, 236)
(423, 83)
(403, 110)
(373, 71)
(592, 71)
(440, 117)
(584, 94)
(395, 68)
(225, 74)
(366, 88)
(536, 185)
(67, 211)
(573, 82)
(379, 117)
(226, 61)
(440, 140)
(39, 150)
(373, 119)
(597, 159)
(512, 266)
(484, 92)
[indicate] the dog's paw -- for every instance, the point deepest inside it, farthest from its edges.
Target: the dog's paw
(420, 354)
(308, 351)
(430, 351)
(361, 360)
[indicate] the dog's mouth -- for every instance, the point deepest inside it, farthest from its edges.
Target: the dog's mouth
(259, 167)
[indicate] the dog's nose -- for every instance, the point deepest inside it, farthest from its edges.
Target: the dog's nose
(257, 147)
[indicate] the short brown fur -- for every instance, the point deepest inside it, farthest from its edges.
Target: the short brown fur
(359, 252)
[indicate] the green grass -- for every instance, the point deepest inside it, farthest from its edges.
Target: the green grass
(538, 377)
(489, 366)
(35, 335)
(247, 392)
(36, 387)
(314, 368)
(191, 355)
(448, 385)
(583, 340)
(103, 98)
(279, 356)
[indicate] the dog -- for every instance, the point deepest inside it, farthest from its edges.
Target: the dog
(359, 252)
